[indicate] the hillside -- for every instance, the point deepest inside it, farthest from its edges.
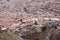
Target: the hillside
(8, 36)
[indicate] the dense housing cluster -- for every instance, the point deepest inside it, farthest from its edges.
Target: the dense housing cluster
(31, 19)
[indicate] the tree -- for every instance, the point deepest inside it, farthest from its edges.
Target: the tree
(25, 10)
(49, 3)
(44, 28)
(36, 23)
(54, 26)
(21, 20)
